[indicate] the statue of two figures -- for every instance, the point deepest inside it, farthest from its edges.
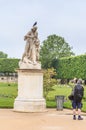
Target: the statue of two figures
(30, 57)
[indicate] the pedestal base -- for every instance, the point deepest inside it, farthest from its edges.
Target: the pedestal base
(30, 105)
(30, 91)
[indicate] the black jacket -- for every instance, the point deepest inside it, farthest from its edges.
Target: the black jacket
(78, 92)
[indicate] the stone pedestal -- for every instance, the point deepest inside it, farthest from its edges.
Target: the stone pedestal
(30, 91)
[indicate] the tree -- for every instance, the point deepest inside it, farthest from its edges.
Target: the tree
(8, 65)
(52, 48)
(48, 81)
(3, 55)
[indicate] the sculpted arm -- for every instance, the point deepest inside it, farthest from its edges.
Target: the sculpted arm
(28, 35)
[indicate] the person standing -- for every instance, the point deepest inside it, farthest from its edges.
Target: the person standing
(77, 99)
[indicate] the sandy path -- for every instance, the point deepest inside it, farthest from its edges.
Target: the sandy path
(50, 120)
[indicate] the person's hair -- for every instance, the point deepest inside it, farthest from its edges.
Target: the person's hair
(79, 81)
(75, 80)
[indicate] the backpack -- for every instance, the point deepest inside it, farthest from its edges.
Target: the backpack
(71, 96)
(78, 93)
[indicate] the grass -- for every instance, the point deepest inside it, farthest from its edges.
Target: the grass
(60, 90)
(8, 93)
(6, 102)
(64, 90)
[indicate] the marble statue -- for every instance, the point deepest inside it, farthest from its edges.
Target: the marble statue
(30, 57)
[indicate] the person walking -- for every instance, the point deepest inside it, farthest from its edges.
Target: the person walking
(77, 99)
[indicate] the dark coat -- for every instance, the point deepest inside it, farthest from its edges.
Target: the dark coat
(78, 92)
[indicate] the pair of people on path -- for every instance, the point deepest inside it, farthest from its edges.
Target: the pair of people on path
(78, 93)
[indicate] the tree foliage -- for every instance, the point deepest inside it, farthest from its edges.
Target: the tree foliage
(48, 81)
(8, 65)
(3, 55)
(52, 48)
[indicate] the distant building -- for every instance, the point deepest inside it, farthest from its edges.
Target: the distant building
(9, 77)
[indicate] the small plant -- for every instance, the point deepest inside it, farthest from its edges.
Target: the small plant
(49, 81)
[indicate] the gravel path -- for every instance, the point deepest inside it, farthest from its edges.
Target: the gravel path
(49, 120)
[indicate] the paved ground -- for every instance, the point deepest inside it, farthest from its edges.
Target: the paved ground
(50, 120)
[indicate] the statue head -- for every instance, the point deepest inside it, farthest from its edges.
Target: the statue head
(34, 28)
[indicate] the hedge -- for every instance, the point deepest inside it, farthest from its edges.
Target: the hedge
(68, 68)
(8, 65)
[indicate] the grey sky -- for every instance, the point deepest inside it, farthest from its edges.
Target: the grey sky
(66, 18)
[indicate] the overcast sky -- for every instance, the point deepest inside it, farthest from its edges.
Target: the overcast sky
(65, 18)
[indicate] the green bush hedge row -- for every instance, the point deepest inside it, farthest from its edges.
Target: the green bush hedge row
(8, 65)
(68, 68)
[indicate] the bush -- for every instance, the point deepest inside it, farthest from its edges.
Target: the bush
(8, 65)
(68, 68)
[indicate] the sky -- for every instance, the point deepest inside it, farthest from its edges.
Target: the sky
(65, 18)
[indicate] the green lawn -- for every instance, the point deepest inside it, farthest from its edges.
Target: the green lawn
(64, 90)
(8, 93)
